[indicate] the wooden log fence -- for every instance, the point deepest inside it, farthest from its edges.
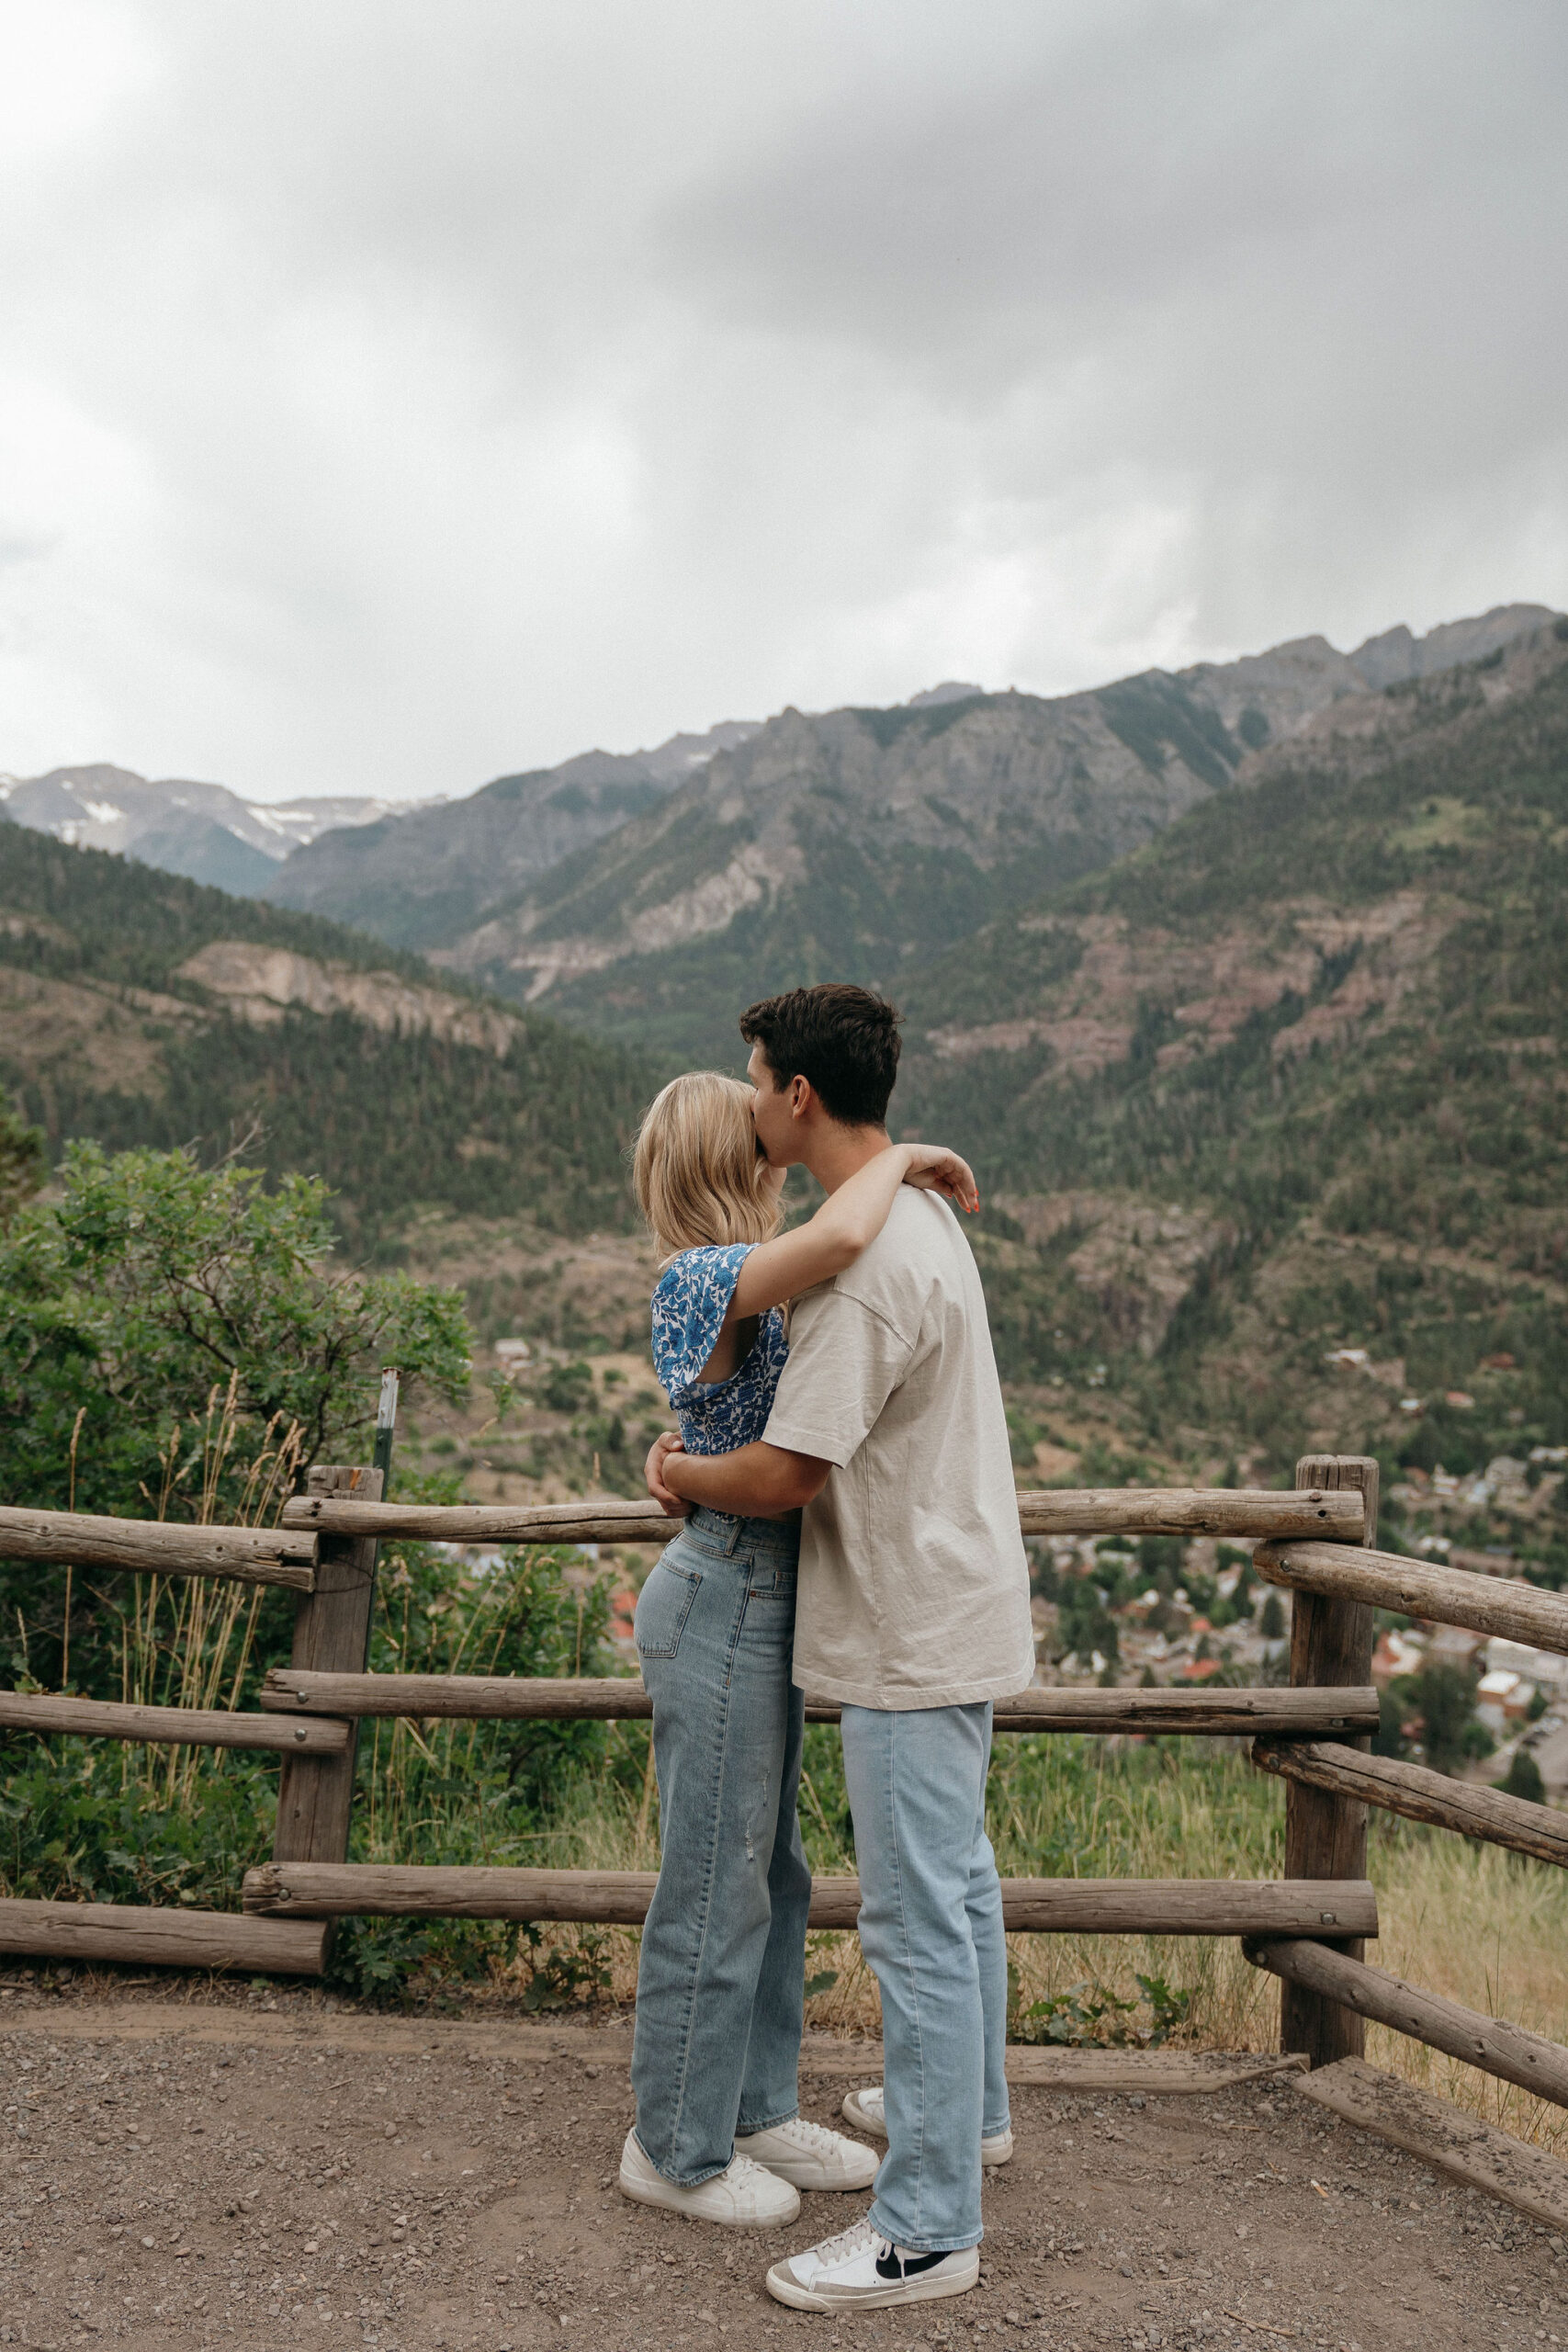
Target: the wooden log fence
(620, 1699)
(1507, 2050)
(173, 1726)
(1105, 1906)
(157, 1548)
(1442, 1595)
(1538, 1830)
(1249, 1514)
(332, 1634)
(130, 1935)
(1316, 1539)
(1326, 1832)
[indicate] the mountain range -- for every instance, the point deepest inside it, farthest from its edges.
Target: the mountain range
(639, 894)
(416, 877)
(859, 842)
(202, 830)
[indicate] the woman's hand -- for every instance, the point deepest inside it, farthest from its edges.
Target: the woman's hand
(933, 1168)
(672, 1505)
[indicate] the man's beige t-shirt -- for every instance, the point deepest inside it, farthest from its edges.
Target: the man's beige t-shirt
(914, 1590)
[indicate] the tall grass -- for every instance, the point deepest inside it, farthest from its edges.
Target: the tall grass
(111, 1821)
(190, 1641)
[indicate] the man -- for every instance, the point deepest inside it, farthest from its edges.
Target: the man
(913, 1613)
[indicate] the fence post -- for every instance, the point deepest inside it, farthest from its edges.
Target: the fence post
(332, 1635)
(1325, 1836)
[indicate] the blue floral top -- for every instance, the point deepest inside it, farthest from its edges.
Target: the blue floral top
(689, 1306)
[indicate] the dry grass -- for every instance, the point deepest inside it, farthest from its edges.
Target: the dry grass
(1484, 1928)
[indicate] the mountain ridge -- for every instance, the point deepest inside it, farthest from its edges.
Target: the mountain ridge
(203, 832)
(864, 842)
(411, 875)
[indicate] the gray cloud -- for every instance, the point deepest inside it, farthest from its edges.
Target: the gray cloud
(396, 395)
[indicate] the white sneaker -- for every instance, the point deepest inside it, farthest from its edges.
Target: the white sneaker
(864, 2110)
(742, 2197)
(859, 2270)
(810, 2156)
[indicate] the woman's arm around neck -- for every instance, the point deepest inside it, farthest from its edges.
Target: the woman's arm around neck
(847, 1222)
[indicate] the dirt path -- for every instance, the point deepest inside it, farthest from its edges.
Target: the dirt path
(178, 2175)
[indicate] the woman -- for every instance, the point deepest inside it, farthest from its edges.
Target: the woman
(718, 2135)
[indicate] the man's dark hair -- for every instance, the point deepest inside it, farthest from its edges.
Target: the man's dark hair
(842, 1038)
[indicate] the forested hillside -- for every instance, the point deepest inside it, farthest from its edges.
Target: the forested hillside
(1289, 1082)
(137, 1008)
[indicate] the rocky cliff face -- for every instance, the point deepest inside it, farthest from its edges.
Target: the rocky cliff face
(426, 875)
(987, 783)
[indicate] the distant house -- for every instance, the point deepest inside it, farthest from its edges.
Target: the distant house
(1503, 1698)
(1397, 1652)
(1536, 1666)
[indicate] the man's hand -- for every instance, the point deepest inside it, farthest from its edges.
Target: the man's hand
(666, 1444)
(756, 1481)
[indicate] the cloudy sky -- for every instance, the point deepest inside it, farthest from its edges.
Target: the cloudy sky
(396, 392)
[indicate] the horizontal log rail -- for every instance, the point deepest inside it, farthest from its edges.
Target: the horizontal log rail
(286, 1554)
(156, 1547)
(1283, 1714)
(1190, 1510)
(1517, 1611)
(1248, 1513)
(1422, 1795)
(132, 1935)
(620, 1898)
(1496, 2047)
(1441, 2137)
(172, 1726)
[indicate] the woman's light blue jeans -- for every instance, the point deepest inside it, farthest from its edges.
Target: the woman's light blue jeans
(719, 1990)
(931, 1927)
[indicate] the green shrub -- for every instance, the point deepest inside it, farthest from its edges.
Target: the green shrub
(1523, 1778)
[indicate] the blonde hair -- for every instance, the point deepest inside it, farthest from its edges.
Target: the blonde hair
(698, 1173)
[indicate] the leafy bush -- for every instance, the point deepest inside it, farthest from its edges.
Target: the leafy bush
(175, 1343)
(1090, 2016)
(148, 1282)
(22, 1162)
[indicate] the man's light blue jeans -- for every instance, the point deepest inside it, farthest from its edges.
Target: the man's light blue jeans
(719, 1990)
(931, 1927)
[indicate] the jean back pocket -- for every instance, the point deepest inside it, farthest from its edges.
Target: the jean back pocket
(663, 1606)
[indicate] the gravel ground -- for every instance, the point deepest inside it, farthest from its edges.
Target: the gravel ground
(180, 2177)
